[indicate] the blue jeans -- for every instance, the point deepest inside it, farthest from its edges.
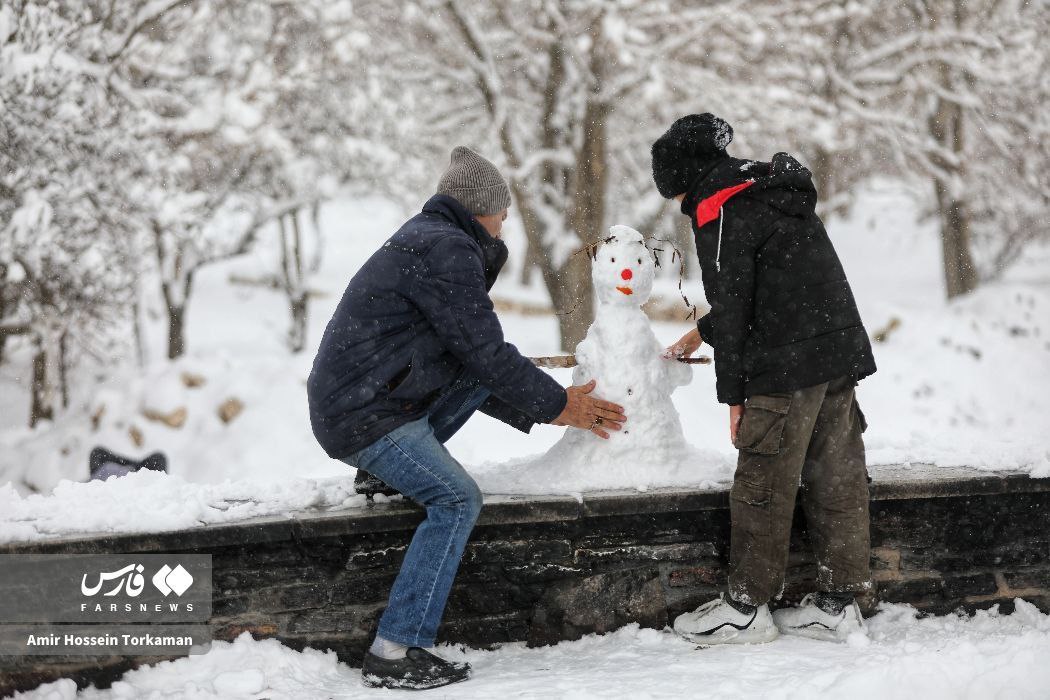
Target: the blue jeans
(413, 459)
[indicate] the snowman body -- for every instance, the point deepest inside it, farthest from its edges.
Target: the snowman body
(621, 353)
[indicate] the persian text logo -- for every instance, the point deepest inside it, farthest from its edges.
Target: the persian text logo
(129, 578)
(169, 580)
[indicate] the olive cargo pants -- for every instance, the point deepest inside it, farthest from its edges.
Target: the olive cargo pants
(809, 438)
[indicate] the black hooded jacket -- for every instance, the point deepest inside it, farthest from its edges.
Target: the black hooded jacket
(414, 318)
(782, 314)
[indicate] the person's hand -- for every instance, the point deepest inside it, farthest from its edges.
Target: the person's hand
(588, 413)
(686, 345)
(736, 413)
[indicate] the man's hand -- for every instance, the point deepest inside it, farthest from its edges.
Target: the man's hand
(686, 345)
(587, 413)
(736, 413)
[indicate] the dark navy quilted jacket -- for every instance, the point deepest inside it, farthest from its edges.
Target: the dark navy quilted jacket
(414, 318)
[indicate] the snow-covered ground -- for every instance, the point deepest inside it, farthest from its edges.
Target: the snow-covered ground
(961, 383)
(148, 501)
(902, 657)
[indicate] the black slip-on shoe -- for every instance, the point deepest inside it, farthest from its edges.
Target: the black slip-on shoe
(369, 485)
(418, 670)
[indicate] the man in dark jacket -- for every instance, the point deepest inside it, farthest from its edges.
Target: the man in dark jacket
(789, 350)
(414, 348)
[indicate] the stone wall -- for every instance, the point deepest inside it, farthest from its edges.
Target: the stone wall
(553, 568)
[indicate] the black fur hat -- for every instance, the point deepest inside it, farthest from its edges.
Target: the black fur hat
(682, 152)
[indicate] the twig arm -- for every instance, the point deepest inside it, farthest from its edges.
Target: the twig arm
(565, 361)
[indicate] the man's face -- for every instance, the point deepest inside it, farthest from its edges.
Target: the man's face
(493, 223)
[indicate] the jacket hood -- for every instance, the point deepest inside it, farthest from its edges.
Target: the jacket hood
(493, 250)
(783, 183)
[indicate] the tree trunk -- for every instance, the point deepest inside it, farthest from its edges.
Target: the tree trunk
(946, 127)
(174, 301)
(63, 369)
(42, 406)
(297, 333)
(534, 233)
(577, 305)
(176, 331)
(823, 180)
(587, 219)
(686, 244)
(136, 319)
(293, 279)
(960, 274)
(3, 307)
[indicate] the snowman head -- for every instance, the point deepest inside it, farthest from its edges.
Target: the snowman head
(623, 268)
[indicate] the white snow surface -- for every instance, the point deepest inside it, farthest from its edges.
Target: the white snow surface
(901, 657)
(148, 501)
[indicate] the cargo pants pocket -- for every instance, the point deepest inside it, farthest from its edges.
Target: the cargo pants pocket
(761, 429)
(752, 507)
(860, 416)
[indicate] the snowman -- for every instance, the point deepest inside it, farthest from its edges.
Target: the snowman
(621, 353)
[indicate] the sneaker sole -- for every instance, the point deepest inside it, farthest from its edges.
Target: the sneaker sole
(704, 641)
(821, 634)
(371, 681)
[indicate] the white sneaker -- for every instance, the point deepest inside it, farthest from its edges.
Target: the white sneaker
(808, 620)
(718, 622)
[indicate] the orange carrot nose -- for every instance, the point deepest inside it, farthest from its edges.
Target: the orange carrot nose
(627, 274)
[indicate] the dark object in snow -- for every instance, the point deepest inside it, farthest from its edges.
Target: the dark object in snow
(369, 485)
(103, 464)
(416, 317)
(688, 147)
(419, 670)
(883, 334)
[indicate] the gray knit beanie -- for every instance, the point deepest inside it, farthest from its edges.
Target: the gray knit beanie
(475, 183)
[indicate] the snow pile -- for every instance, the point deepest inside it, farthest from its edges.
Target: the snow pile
(622, 355)
(964, 384)
(148, 501)
(935, 658)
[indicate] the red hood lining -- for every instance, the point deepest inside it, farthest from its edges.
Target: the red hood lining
(707, 209)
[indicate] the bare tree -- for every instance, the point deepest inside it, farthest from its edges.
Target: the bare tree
(64, 220)
(557, 87)
(928, 82)
(207, 120)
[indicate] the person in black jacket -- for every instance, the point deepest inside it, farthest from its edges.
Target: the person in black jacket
(413, 349)
(789, 349)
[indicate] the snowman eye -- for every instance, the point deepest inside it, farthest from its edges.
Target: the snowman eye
(612, 259)
(639, 261)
